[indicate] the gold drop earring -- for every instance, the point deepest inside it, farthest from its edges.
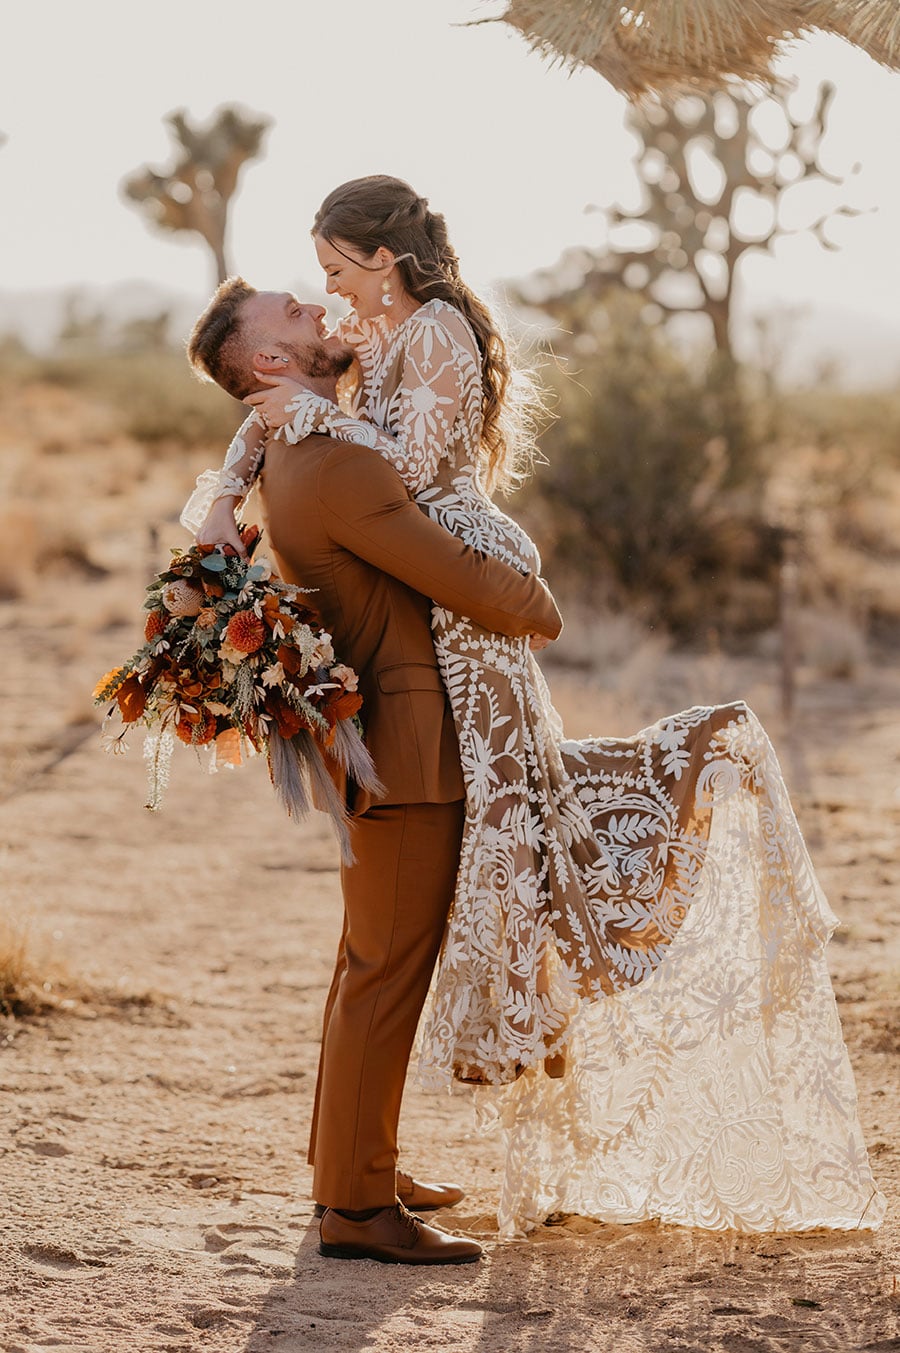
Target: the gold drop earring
(387, 299)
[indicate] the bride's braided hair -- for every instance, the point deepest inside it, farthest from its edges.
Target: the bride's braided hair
(379, 210)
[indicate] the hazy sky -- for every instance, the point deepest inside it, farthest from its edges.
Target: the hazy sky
(510, 150)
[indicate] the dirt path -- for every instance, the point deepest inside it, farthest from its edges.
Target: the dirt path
(152, 1148)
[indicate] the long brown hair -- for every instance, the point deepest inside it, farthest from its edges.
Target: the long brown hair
(381, 211)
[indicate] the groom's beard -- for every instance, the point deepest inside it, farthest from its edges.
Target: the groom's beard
(320, 362)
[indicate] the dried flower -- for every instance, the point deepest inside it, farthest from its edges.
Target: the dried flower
(132, 699)
(245, 632)
(107, 686)
(273, 676)
(182, 597)
(346, 676)
(228, 748)
(323, 653)
(231, 655)
(156, 623)
(196, 729)
(234, 676)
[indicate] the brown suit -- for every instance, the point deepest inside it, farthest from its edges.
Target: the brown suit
(341, 521)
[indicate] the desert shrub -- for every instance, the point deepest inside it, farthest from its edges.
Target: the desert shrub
(23, 990)
(868, 421)
(836, 479)
(651, 494)
(17, 362)
(154, 393)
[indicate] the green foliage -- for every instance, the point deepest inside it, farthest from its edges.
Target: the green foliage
(652, 487)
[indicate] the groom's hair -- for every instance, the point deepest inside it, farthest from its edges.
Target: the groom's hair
(220, 348)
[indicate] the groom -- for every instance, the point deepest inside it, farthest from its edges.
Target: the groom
(342, 522)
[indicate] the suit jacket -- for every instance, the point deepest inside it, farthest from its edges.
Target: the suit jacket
(341, 521)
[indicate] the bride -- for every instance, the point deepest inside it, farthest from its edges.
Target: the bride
(635, 956)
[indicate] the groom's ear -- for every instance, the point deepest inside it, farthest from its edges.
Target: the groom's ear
(268, 360)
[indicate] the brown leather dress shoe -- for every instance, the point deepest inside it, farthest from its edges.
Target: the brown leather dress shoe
(392, 1236)
(418, 1197)
(426, 1197)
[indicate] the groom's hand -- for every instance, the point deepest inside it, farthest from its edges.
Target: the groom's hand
(271, 404)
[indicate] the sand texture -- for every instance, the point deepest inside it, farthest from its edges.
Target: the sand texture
(154, 1116)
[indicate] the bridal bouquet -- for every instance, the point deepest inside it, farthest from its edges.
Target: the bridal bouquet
(235, 662)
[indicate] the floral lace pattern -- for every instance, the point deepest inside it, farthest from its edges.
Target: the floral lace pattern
(243, 460)
(420, 393)
(713, 1089)
(640, 915)
(634, 964)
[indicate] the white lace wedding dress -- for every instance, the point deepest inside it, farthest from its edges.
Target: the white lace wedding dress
(635, 957)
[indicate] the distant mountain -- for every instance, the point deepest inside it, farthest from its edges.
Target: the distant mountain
(823, 343)
(37, 316)
(843, 347)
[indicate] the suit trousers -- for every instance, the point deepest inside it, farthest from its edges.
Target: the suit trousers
(397, 896)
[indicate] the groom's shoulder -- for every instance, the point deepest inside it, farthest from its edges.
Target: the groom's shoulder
(319, 444)
(345, 465)
(323, 457)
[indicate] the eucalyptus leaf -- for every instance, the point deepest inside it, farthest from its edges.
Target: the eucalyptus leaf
(216, 563)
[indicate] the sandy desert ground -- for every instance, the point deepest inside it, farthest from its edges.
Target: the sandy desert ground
(154, 1115)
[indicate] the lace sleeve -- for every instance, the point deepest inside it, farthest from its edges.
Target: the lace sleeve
(439, 386)
(236, 477)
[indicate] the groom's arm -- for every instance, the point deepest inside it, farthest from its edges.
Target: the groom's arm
(366, 507)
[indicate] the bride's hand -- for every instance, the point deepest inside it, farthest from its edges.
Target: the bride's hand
(220, 527)
(538, 641)
(271, 404)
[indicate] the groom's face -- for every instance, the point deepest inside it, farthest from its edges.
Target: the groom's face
(282, 326)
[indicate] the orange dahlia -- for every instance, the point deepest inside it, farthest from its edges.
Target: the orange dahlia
(156, 623)
(196, 729)
(245, 632)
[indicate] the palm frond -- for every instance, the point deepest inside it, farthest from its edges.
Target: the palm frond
(664, 46)
(873, 25)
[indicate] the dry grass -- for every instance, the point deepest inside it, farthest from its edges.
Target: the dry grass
(833, 643)
(81, 495)
(33, 983)
(27, 987)
(150, 396)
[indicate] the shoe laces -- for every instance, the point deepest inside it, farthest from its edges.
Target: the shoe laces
(408, 1221)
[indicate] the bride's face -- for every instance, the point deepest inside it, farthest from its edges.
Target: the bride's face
(357, 278)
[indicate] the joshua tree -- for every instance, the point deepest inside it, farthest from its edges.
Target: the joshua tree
(196, 192)
(717, 176)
